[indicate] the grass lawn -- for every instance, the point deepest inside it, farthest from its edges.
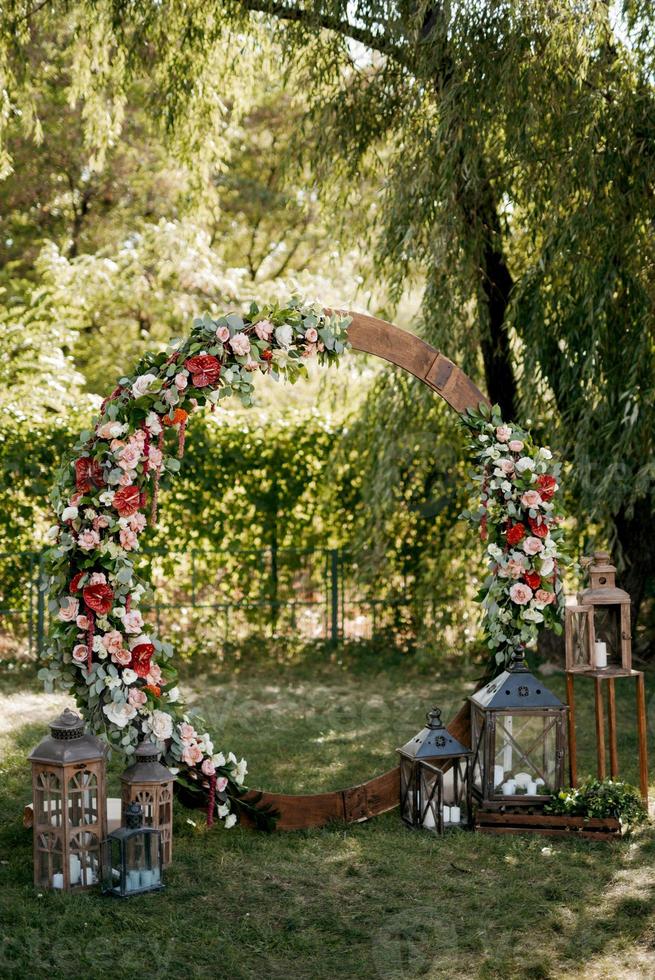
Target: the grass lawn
(368, 901)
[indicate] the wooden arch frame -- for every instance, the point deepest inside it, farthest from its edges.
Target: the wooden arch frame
(373, 336)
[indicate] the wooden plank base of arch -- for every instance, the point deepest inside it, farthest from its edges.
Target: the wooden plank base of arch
(370, 335)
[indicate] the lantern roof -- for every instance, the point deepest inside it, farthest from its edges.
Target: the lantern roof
(602, 588)
(433, 741)
(147, 768)
(517, 689)
(68, 742)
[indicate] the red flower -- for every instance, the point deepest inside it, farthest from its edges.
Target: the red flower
(75, 581)
(127, 501)
(533, 580)
(179, 416)
(98, 597)
(266, 355)
(205, 370)
(141, 655)
(547, 486)
(515, 533)
(540, 530)
(88, 473)
(154, 689)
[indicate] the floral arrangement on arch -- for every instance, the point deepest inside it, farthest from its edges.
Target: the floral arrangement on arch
(106, 494)
(518, 516)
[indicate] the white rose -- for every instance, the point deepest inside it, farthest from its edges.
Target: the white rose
(532, 615)
(129, 676)
(284, 335)
(52, 532)
(545, 453)
(547, 566)
(153, 423)
(142, 385)
(495, 552)
(161, 725)
(173, 695)
(230, 821)
(524, 463)
(120, 714)
(69, 514)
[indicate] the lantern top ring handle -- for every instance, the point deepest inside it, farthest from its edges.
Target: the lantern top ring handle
(434, 718)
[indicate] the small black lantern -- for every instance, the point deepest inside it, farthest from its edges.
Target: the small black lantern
(518, 738)
(133, 857)
(435, 779)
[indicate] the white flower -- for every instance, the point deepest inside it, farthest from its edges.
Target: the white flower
(495, 552)
(53, 532)
(218, 760)
(107, 497)
(142, 384)
(120, 714)
(532, 615)
(547, 566)
(524, 463)
(232, 758)
(223, 809)
(230, 821)
(129, 676)
(284, 335)
(206, 744)
(545, 453)
(241, 770)
(240, 344)
(69, 514)
(161, 725)
(153, 423)
(111, 682)
(134, 641)
(173, 695)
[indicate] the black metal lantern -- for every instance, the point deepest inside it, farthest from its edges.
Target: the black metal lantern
(435, 779)
(133, 857)
(518, 738)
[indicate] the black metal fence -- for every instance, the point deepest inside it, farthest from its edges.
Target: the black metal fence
(204, 599)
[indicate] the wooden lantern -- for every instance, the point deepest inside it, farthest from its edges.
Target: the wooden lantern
(597, 629)
(70, 805)
(150, 783)
(435, 779)
(518, 738)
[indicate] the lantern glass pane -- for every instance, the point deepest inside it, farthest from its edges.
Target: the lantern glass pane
(607, 627)
(526, 749)
(578, 623)
(477, 743)
(83, 799)
(84, 859)
(112, 876)
(50, 861)
(142, 869)
(429, 797)
(47, 801)
(406, 791)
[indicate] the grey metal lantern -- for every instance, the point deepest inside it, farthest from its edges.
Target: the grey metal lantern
(597, 629)
(150, 783)
(435, 778)
(132, 857)
(70, 805)
(518, 738)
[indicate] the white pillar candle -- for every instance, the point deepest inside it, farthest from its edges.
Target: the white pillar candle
(145, 878)
(89, 876)
(600, 654)
(156, 875)
(75, 867)
(58, 880)
(507, 748)
(428, 822)
(447, 814)
(509, 787)
(532, 788)
(455, 814)
(499, 775)
(133, 880)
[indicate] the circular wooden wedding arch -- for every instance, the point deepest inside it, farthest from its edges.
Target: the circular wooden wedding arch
(373, 336)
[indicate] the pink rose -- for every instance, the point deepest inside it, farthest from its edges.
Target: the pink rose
(136, 697)
(126, 479)
(156, 457)
(181, 380)
(532, 546)
(109, 430)
(192, 755)
(506, 466)
(264, 329)
(88, 540)
(154, 675)
(133, 621)
(139, 437)
(520, 593)
(208, 767)
(137, 522)
(531, 499)
(116, 444)
(503, 432)
(80, 653)
(129, 457)
(112, 641)
(69, 610)
(100, 522)
(515, 445)
(544, 598)
(240, 344)
(311, 335)
(97, 578)
(122, 657)
(221, 783)
(82, 622)
(187, 732)
(223, 334)
(309, 351)
(515, 568)
(128, 538)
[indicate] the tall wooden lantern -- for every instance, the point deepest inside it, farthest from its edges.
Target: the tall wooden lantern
(435, 779)
(518, 737)
(150, 783)
(70, 805)
(597, 629)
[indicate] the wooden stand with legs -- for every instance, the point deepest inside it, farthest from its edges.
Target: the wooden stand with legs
(609, 676)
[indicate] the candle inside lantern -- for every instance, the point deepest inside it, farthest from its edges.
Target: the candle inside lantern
(58, 880)
(133, 880)
(446, 814)
(146, 878)
(509, 787)
(428, 823)
(455, 814)
(600, 654)
(75, 868)
(531, 788)
(499, 775)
